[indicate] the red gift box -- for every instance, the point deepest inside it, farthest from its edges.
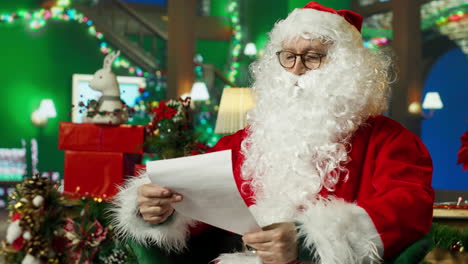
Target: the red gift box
(102, 138)
(97, 174)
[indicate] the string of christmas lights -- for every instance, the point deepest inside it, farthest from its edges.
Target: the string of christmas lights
(61, 12)
(445, 16)
(233, 9)
(376, 43)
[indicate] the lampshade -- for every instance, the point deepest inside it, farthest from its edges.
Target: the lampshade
(432, 101)
(38, 118)
(47, 108)
(250, 49)
(199, 92)
(235, 102)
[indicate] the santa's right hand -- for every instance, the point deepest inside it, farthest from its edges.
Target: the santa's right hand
(155, 203)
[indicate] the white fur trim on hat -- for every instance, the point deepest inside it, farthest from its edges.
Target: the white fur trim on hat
(305, 21)
(169, 236)
(339, 232)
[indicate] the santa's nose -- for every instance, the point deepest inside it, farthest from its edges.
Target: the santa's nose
(299, 67)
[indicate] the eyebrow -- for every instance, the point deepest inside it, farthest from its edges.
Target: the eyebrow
(313, 49)
(307, 50)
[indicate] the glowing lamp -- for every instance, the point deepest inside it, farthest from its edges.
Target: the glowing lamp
(232, 113)
(432, 101)
(250, 49)
(199, 92)
(47, 108)
(45, 111)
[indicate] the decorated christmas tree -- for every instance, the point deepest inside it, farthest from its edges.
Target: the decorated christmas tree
(47, 227)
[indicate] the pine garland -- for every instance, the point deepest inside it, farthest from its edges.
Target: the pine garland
(451, 238)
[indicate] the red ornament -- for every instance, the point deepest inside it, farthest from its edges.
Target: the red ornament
(18, 243)
(16, 216)
(457, 247)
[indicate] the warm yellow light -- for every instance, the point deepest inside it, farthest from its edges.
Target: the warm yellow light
(414, 108)
(232, 113)
(45, 111)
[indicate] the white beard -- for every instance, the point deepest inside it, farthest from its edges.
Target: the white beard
(300, 132)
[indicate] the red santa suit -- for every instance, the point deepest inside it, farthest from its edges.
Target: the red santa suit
(384, 205)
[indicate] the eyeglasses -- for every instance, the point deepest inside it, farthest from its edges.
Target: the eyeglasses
(310, 60)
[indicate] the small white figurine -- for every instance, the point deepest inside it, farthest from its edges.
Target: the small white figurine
(109, 109)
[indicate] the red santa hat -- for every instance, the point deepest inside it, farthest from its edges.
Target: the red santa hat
(353, 18)
(315, 18)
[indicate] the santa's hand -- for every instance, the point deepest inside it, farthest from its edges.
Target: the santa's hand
(276, 244)
(155, 203)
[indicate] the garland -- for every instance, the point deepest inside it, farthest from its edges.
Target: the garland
(233, 9)
(450, 238)
(61, 12)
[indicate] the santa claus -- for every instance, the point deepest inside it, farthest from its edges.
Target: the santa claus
(329, 178)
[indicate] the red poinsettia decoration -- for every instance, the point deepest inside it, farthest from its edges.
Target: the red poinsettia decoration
(83, 241)
(163, 111)
(463, 152)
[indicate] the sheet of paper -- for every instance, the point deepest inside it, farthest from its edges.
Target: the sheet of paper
(210, 193)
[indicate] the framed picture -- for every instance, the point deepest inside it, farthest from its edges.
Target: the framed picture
(81, 92)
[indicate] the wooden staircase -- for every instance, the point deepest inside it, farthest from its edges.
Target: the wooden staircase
(140, 31)
(119, 22)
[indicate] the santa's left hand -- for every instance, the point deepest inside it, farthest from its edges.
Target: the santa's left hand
(275, 244)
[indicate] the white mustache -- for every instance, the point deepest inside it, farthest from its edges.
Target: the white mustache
(297, 91)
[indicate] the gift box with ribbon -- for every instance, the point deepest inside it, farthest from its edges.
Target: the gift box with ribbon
(99, 157)
(101, 138)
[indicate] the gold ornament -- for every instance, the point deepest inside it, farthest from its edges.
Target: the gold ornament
(18, 205)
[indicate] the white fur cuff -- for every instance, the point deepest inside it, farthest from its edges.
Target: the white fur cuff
(340, 233)
(169, 236)
(237, 258)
